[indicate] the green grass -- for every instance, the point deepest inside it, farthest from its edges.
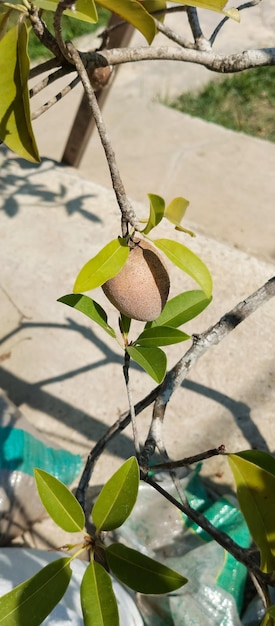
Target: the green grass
(242, 102)
(72, 28)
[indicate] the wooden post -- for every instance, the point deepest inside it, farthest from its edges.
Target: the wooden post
(84, 123)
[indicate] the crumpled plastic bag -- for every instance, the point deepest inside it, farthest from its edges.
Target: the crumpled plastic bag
(21, 449)
(213, 595)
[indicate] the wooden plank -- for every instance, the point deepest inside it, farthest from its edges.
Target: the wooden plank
(83, 124)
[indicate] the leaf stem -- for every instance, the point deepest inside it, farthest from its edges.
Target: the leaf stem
(126, 367)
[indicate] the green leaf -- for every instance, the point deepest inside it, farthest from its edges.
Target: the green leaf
(117, 498)
(157, 207)
(59, 502)
(141, 573)
(160, 336)
(89, 307)
(133, 12)
(182, 308)
(175, 211)
(213, 5)
(106, 264)
(85, 9)
(187, 261)
(152, 360)
(31, 601)
(15, 118)
(155, 5)
(98, 601)
(254, 474)
(269, 618)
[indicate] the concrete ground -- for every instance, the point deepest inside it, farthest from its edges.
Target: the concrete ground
(65, 373)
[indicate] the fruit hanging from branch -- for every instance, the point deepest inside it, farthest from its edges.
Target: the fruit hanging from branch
(141, 288)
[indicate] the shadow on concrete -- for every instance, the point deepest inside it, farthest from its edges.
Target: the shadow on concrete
(240, 411)
(22, 392)
(22, 182)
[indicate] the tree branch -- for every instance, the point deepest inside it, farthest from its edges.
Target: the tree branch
(177, 374)
(127, 212)
(240, 554)
(221, 63)
(46, 66)
(189, 460)
(48, 80)
(45, 107)
(241, 7)
(201, 343)
(201, 43)
(41, 31)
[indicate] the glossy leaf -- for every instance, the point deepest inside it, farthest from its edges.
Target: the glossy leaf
(254, 474)
(85, 10)
(175, 211)
(15, 119)
(30, 602)
(117, 498)
(89, 307)
(213, 5)
(269, 618)
(152, 360)
(106, 264)
(182, 308)
(157, 207)
(98, 601)
(141, 573)
(160, 336)
(133, 12)
(155, 5)
(187, 261)
(59, 502)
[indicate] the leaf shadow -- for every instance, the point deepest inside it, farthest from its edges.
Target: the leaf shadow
(22, 182)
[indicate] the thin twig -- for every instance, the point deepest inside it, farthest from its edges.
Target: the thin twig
(240, 554)
(171, 34)
(189, 460)
(126, 367)
(49, 80)
(41, 31)
(119, 425)
(45, 107)
(241, 7)
(46, 66)
(201, 343)
(127, 212)
(201, 43)
(57, 24)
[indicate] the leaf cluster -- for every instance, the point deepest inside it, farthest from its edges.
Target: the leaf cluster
(31, 601)
(145, 349)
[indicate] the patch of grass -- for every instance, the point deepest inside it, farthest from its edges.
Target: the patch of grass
(71, 28)
(242, 102)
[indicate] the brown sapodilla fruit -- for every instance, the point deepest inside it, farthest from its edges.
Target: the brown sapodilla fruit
(140, 290)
